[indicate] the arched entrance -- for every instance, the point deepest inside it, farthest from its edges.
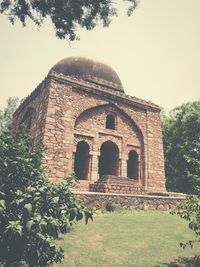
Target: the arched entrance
(132, 165)
(81, 164)
(109, 159)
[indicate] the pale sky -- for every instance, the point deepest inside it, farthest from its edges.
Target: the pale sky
(156, 52)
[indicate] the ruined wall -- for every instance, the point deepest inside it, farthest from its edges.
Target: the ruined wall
(64, 107)
(58, 133)
(34, 106)
(69, 122)
(68, 112)
(126, 135)
(156, 176)
(132, 202)
(94, 120)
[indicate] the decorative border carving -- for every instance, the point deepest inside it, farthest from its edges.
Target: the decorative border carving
(115, 139)
(78, 138)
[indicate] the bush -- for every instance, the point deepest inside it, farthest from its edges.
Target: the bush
(33, 211)
(110, 206)
(189, 210)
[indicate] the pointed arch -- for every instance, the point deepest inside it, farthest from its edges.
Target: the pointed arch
(86, 113)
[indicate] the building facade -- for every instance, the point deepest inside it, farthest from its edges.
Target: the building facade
(112, 141)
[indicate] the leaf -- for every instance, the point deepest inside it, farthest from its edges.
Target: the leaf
(29, 225)
(1, 210)
(28, 207)
(55, 199)
(37, 217)
(14, 227)
(2, 204)
(73, 213)
(2, 194)
(43, 223)
(5, 164)
(36, 199)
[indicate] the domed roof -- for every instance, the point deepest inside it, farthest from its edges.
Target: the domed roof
(90, 70)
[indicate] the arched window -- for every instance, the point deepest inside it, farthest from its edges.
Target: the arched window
(81, 165)
(110, 122)
(132, 165)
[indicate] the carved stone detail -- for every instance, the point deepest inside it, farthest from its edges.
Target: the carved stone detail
(87, 139)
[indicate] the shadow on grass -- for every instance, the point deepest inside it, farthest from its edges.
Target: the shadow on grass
(183, 262)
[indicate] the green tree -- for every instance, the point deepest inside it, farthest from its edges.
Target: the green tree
(181, 136)
(33, 211)
(189, 210)
(65, 15)
(6, 115)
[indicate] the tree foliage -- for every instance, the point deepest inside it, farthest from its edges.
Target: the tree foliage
(181, 136)
(66, 15)
(189, 210)
(33, 211)
(6, 115)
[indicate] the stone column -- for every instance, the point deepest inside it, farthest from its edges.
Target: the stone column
(94, 166)
(124, 167)
(139, 170)
(90, 167)
(145, 172)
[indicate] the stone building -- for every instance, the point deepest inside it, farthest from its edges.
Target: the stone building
(112, 141)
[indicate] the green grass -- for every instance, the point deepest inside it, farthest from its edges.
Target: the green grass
(137, 238)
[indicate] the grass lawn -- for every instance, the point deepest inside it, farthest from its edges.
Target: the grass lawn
(129, 238)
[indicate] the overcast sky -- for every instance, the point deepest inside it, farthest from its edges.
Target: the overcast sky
(156, 52)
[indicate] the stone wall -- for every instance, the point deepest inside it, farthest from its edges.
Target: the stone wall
(68, 110)
(76, 112)
(99, 201)
(34, 108)
(155, 152)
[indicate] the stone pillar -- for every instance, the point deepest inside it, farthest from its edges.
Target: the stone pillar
(94, 166)
(145, 172)
(90, 167)
(139, 170)
(124, 167)
(156, 177)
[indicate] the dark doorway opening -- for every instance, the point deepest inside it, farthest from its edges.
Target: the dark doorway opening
(110, 122)
(132, 165)
(109, 159)
(81, 165)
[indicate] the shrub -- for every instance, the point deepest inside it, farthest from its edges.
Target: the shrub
(189, 210)
(110, 206)
(33, 211)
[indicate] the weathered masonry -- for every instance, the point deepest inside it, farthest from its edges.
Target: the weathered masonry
(112, 141)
